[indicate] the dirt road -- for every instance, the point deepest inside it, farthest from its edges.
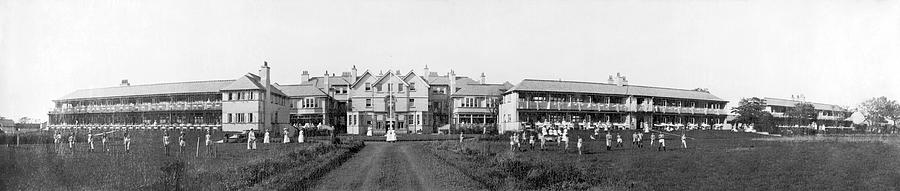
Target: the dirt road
(395, 166)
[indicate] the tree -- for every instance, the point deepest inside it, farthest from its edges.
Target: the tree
(494, 109)
(750, 111)
(25, 120)
(803, 113)
(879, 109)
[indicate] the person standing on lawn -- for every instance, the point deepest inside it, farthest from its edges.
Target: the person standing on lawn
(103, 140)
(209, 141)
(300, 138)
(683, 140)
(181, 142)
(512, 142)
(460, 136)
(251, 140)
(126, 141)
(541, 137)
(286, 138)
(266, 138)
(531, 141)
(565, 138)
(71, 140)
(640, 139)
(652, 139)
(579, 145)
(608, 141)
(90, 140)
(662, 143)
(57, 138)
(618, 140)
(166, 142)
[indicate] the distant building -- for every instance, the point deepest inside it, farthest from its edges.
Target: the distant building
(615, 102)
(829, 116)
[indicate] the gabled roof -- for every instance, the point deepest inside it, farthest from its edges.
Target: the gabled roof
(212, 86)
(413, 75)
(333, 80)
(359, 79)
(250, 82)
(299, 90)
(445, 80)
(481, 90)
(378, 81)
(792, 103)
(603, 88)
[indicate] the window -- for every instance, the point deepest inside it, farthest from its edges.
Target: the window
(379, 88)
(230, 118)
(412, 86)
(368, 86)
(390, 87)
(399, 87)
(469, 102)
(250, 118)
(412, 102)
(309, 103)
(368, 102)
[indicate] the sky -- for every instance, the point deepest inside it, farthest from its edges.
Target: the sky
(838, 52)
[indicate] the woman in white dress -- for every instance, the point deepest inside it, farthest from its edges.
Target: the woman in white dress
(286, 138)
(266, 138)
(300, 137)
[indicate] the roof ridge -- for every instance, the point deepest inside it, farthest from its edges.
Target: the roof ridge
(166, 83)
(614, 85)
(804, 101)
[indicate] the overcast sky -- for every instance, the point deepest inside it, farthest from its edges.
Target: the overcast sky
(840, 52)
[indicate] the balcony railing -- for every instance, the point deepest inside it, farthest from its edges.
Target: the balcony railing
(581, 106)
(177, 106)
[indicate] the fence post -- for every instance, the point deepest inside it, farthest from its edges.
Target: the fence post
(198, 147)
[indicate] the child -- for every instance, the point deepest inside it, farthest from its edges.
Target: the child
(618, 140)
(166, 142)
(683, 142)
(608, 140)
(579, 146)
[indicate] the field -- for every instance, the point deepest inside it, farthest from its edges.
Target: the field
(146, 167)
(715, 160)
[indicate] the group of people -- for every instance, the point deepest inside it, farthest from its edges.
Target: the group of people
(251, 138)
(560, 134)
(58, 139)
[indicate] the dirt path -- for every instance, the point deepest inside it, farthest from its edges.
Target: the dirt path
(395, 166)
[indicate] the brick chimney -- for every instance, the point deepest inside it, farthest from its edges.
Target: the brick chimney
(482, 78)
(304, 77)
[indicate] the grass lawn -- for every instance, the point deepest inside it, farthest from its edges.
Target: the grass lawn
(715, 160)
(48, 167)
